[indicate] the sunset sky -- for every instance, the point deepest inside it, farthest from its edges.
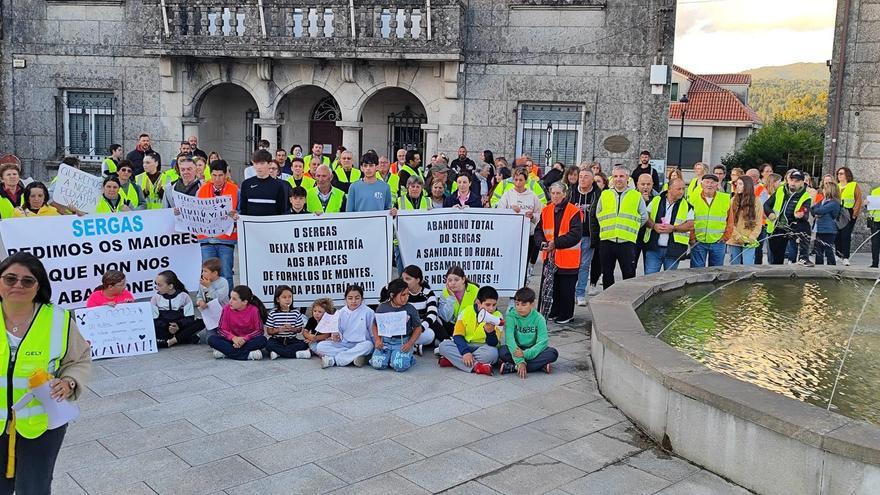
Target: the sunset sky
(733, 35)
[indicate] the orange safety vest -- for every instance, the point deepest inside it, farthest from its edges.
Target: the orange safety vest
(567, 258)
(229, 189)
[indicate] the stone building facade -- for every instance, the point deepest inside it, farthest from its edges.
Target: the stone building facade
(512, 76)
(852, 137)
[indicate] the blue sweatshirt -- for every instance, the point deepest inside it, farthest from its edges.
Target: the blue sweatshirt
(368, 197)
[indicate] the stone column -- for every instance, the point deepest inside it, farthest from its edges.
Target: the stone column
(269, 132)
(432, 143)
(190, 128)
(351, 137)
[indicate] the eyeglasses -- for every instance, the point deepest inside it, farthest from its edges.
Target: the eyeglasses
(13, 280)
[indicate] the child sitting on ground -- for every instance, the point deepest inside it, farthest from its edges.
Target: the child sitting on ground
(240, 335)
(173, 313)
(353, 342)
(283, 326)
(526, 348)
(319, 308)
(212, 285)
(474, 345)
(111, 292)
(397, 351)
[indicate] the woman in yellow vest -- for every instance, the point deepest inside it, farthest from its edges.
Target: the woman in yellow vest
(458, 294)
(559, 233)
(851, 199)
(11, 189)
(37, 336)
(874, 224)
(36, 195)
(129, 191)
(111, 201)
(152, 181)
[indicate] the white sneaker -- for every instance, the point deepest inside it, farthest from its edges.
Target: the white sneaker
(360, 361)
(219, 355)
(582, 301)
(437, 351)
(327, 361)
(846, 262)
(303, 354)
(255, 355)
(273, 355)
(420, 349)
(594, 290)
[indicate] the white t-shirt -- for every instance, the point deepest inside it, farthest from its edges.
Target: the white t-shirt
(663, 240)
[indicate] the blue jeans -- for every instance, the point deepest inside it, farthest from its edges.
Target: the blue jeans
(391, 355)
(580, 289)
(241, 354)
(655, 259)
(740, 255)
(713, 253)
(226, 252)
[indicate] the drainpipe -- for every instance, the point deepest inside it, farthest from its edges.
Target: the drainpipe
(165, 18)
(262, 18)
(838, 85)
(428, 9)
(351, 15)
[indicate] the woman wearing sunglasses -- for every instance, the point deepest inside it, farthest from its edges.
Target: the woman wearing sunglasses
(37, 336)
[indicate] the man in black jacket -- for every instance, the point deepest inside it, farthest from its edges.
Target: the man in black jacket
(136, 156)
(644, 167)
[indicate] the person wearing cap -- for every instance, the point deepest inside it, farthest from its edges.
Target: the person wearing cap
(644, 167)
(710, 223)
(790, 212)
(440, 172)
(369, 193)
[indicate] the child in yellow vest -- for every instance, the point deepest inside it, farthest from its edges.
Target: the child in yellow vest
(474, 344)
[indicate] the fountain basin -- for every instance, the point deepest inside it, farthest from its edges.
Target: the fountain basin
(760, 439)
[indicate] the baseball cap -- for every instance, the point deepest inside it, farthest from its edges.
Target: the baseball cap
(440, 168)
(797, 175)
(710, 177)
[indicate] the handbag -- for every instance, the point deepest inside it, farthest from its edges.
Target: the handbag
(843, 218)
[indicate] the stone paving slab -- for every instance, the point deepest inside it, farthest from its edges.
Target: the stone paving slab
(181, 422)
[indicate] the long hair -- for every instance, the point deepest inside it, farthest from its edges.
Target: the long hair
(744, 204)
(172, 280)
(35, 266)
(246, 294)
(416, 273)
(488, 157)
(831, 191)
(27, 193)
(278, 291)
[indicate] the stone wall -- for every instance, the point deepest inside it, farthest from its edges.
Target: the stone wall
(581, 52)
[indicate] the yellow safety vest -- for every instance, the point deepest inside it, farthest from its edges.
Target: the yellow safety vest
(710, 221)
(109, 166)
(334, 205)
(467, 300)
(403, 203)
(507, 184)
(619, 222)
(306, 183)
(680, 218)
(42, 348)
(354, 175)
(393, 184)
(778, 197)
(7, 209)
(130, 196)
(473, 331)
(695, 188)
(307, 160)
(104, 206)
(875, 214)
(151, 189)
(848, 194)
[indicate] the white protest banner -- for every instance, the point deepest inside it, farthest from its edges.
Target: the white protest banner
(211, 314)
(76, 188)
(873, 203)
(121, 330)
(317, 256)
(76, 251)
(392, 324)
(489, 245)
(329, 323)
(203, 216)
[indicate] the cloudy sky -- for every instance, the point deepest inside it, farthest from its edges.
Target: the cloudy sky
(733, 35)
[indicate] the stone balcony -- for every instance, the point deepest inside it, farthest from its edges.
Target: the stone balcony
(362, 29)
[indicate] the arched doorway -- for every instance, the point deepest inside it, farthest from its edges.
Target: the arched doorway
(392, 119)
(310, 114)
(226, 114)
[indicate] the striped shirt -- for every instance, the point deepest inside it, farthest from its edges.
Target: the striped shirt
(425, 303)
(278, 319)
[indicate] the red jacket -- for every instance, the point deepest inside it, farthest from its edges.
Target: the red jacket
(231, 190)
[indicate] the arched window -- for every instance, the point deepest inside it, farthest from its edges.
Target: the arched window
(327, 109)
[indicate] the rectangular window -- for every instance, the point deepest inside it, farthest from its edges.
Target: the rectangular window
(88, 123)
(691, 152)
(550, 129)
(673, 91)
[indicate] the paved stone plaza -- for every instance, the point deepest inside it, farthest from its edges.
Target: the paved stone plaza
(180, 422)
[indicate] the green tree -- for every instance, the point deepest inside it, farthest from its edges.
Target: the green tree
(784, 144)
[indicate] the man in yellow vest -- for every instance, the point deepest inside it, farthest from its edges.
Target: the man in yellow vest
(710, 222)
(874, 224)
(317, 157)
(790, 214)
(324, 198)
(345, 174)
(111, 163)
(670, 222)
(620, 212)
(412, 168)
(384, 173)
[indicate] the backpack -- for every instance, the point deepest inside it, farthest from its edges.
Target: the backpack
(843, 218)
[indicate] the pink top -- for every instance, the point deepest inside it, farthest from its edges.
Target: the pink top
(245, 323)
(99, 299)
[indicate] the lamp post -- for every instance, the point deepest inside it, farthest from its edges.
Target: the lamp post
(684, 101)
(548, 152)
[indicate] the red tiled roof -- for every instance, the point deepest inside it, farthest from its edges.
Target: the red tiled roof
(708, 101)
(728, 78)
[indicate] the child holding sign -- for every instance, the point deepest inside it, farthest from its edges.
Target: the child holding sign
(319, 308)
(474, 344)
(351, 342)
(526, 347)
(283, 325)
(173, 312)
(240, 335)
(397, 330)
